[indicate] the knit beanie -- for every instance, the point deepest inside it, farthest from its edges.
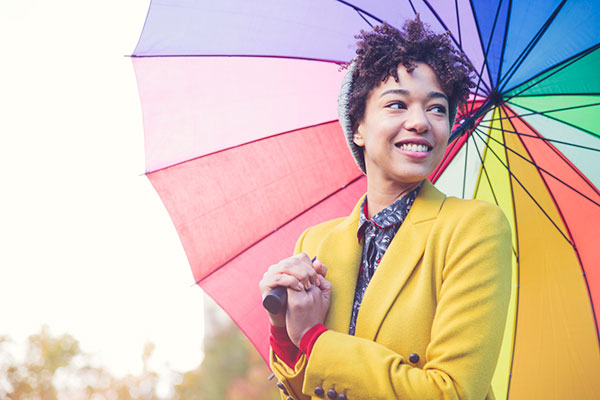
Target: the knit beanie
(344, 117)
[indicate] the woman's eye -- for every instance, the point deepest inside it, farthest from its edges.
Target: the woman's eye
(438, 109)
(397, 106)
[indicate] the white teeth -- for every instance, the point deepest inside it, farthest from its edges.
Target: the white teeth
(414, 147)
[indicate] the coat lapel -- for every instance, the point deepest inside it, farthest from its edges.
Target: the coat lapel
(342, 255)
(399, 261)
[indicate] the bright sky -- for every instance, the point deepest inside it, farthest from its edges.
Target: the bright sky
(86, 246)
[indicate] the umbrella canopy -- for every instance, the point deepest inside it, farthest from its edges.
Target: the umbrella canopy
(244, 148)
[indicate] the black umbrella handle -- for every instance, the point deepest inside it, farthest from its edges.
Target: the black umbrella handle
(276, 300)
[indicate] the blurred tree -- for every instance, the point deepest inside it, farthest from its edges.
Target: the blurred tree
(231, 368)
(53, 367)
(45, 355)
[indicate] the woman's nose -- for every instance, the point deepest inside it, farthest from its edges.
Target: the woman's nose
(416, 120)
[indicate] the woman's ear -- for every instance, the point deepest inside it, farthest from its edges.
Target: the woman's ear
(358, 137)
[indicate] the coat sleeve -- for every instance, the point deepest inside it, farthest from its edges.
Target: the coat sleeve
(466, 333)
(291, 378)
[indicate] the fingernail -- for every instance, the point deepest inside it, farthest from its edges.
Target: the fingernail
(299, 287)
(318, 282)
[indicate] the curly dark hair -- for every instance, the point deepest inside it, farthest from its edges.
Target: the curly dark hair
(382, 50)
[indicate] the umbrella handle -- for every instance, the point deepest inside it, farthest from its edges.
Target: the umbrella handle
(275, 300)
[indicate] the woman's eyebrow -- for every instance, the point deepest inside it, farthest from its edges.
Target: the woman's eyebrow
(396, 91)
(431, 95)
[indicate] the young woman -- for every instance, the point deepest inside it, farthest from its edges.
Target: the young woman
(408, 295)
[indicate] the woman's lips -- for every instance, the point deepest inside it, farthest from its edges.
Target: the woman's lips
(414, 147)
(414, 150)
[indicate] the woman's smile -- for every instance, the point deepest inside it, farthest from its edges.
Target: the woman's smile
(416, 147)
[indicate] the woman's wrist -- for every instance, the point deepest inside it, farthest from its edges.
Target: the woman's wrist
(310, 337)
(277, 319)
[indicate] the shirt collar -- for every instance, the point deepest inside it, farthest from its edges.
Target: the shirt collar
(389, 216)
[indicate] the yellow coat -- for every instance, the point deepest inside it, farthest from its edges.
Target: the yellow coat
(440, 292)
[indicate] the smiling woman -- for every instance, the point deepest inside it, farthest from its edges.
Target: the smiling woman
(412, 308)
(404, 132)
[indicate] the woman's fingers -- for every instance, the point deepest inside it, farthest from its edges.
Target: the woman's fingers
(320, 268)
(298, 272)
(298, 266)
(271, 281)
(325, 289)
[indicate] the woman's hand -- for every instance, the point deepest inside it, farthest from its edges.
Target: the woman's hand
(307, 308)
(296, 273)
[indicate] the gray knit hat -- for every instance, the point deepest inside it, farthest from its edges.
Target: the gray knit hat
(344, 117)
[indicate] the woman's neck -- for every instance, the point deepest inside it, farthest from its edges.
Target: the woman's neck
(381, 196)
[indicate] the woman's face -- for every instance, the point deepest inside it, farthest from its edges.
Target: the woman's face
(405, 127)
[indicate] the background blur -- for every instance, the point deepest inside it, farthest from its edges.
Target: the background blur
(96, 297)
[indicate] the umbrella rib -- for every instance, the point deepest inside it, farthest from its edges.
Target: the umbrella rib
(412, 6)
(239, 145)
(508, 12)
(517, 270)
(529, 48)
(487, 177)
(477, 131)
(360, 10)
(566, 63)
(545, 112)
(485, 56)
(542, 138)
(564, 122)
(458, 24)
(590, 94)
(339, 62)
(364, 18)
(465, 167)
(489, 181)
(558, 120)
(279, 227)
(541, 168)
(436, 15)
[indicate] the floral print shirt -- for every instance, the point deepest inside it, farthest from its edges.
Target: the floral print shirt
(377, 234)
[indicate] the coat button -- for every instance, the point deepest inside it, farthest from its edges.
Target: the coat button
(319, 391)
(414, 358)
(282, 388)
(341, 396)
(332, 394)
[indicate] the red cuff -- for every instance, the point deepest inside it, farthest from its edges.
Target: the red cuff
(283, 346)
(310, 337)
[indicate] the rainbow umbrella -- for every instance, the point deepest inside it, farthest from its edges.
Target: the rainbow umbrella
(244, 148)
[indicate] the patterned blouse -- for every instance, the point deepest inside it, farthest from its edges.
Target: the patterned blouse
(377, 233)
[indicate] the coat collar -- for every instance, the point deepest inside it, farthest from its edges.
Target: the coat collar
(391, 275)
